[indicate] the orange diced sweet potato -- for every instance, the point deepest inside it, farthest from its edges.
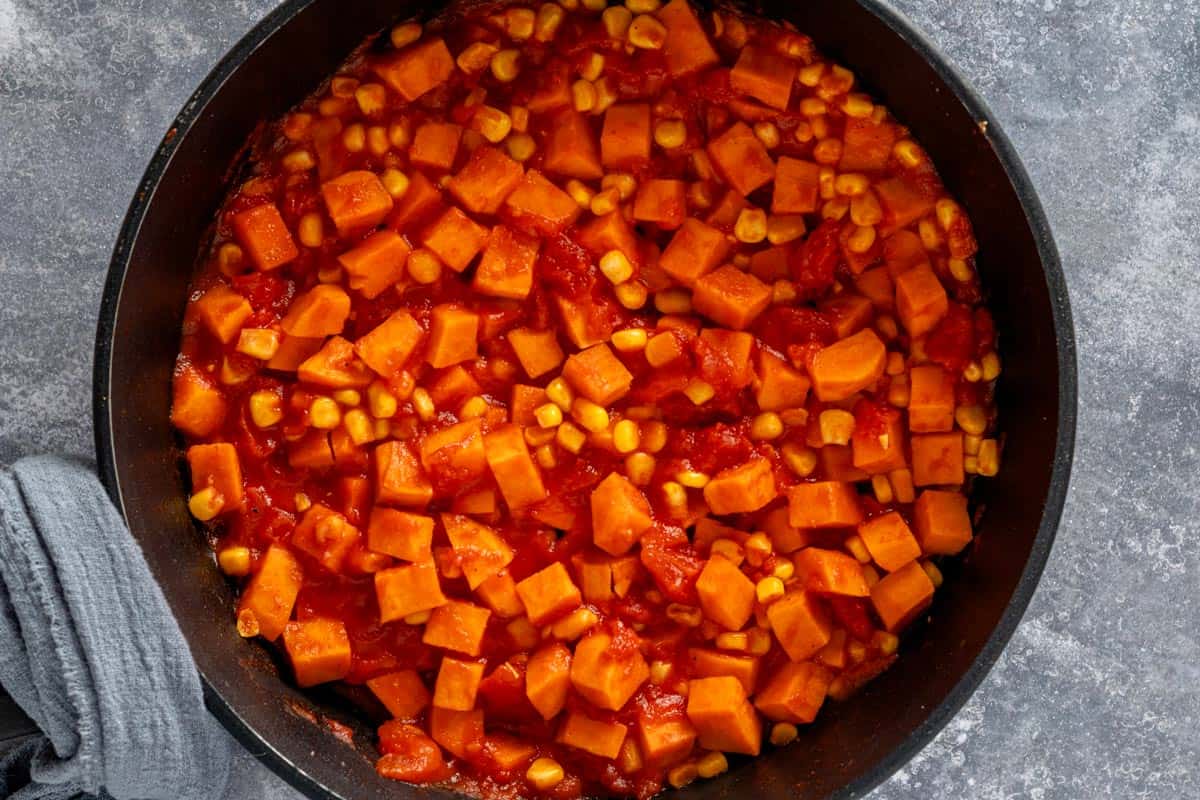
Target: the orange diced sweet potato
(264, 236)
(902, 251)
(723, 717)
(598, 375)
(876, 285)
(294, 351)
(847, 366)
(402, 693)
(901, 596)
(731, 297)
(406, 590)
(519, 479)
(571, 147)
(903, 203)
(335, 365)
(795, 692)
(830, 572)
(625, 138)
(620, 514)
(457, 626)
(538, 351)
(731, 350)
(602, 739)
(661, 201)
(848, 313)
(708, 530)
(785, 536)
(480, 549)
(455, 453)
(217, 465)
(311, 451)
(435, 146)
(548, 594)
(607, 676)
(695, 250)
(921, 300)
(376, 263)
(582, 326)
(319, 312)
(457, 684)
(508, 752)
(499, 593)
(765, 75)
(726, 594)
(223, 312)
(797, 189)
(538, 205)
(725, 213)
(823, 504)
(453, 336)
(398, 476)
(356, 201)
(525, 400)
(890, 541)
(548, 679)
(609, 232)
(741, 159)
(687, 48)
(740, 489)
(879, 449)
(664, 740)
(319, 650)
(931, 399)
(801, 624)
(267, 601)
(459, 732)
(943, 524)
(506, 269)
(415, 70)
(417, 204)
(937, 459)
(625, 570)
(197, 405)
(714, 663)
(387, 347)
(326, 536)
(455, 238)
(400, 534)
(486, 180)
(452, 385)
(780, 386)
(866, 145)
(595, 577)
(837, 464)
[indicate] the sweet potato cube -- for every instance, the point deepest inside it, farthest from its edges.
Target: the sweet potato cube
(294, 351)
(508, 752)
(785, 536)
(398, 477)
(452, 385)
(723, 717)
(548, 593)
(455, 238)
(740, 489)
(417, 204)
(609, 232)
(765, 75)
(797, 189)
(800, 623)
(486, 180)
(319, 650)
(311, 451)
(625, 570)
(402, 693)
(937, 459)
(620, 514)
(695, 250)
(876, 285)
(921, 300)
(931, 399)
(217, 466)
(268, 599)
(664, 740)
(525, 400)
(264, 236)
(708, 530)
(335, 365)
(625, 138)
(866, 145)
(903, 203)
(548, 679)
(223, 312)
(435, 146)
(901, 596)
(540, 206)
(726, 594)
(661, 201)
(406, 590)
(731, 297)
(538, 351)
(457, 626)
(595, 577)
(837, 464)
(326, 536)
(890, 541)
(823, 504)
(795, 692)
(356, 201)
(830, 572)
(388, 346)
(400, 534)
(581, 325)
(415, 70)
(847, 366)
(725, 213)
(453, 336)
(902, 251)
(607, 676)
(457, 684)
(455, 453)
(519, 479)
(459, 732)
(319, 312)
(480, 549)
(570, 149)
(943, 524)
(687, 48)
(598, 375)
(499, 593)
(602, 739)
(376, 263)
(197, 406)
(714, 663)
(731, 351)
(848, 313)
(879, 449)
(780, 386)
(506, 269)
(741, 159)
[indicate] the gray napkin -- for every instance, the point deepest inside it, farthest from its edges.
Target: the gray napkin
(90, 651)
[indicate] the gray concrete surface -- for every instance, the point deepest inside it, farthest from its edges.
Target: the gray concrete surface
(1097, 695)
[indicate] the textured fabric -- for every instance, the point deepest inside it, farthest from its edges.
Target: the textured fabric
(90, 651)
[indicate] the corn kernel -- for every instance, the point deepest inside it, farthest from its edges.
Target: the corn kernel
(902, 485)
(544, 774)
(639, 468)
(616, 266)
(673, 301)
(505, 65)
(699, 392)
(758, 641)
(865, 210)
(768, 590)
(324, 414)
(559, 392)
(682, 775)
(647, 33)
(800, 459)
(973, 372)
(972, 419)
(575, 624)
(626, 436)
(670, 133)
(606, 95)
(298, 161)
(548, 415)
(343, 87)
(205, 504)
(758, 548)
(935, 574)
(583, 95)
(493, 123)
(882, 488)
(234, 560)
(729, 550)
(813, 107)
(662, 349)
(570, 438)
(229, 259)
(594, 5)
(423, 404)
(660, 671)
(549, 17)
(751, 225)
(886, 325)
(521, 147)
(858, 549)
(837, 426)
(359, 426)
(766, 426)
(692, 479)
(616, 21)
(302, 502)
(260, 343)
(519, 23)
(689, 616)
(732, 641)
(828, 151)
(783, 733)
(835, 209)
(473, 408)
(331, 274)
(947, 212)
(593, 67)
(960, 270)
(851, 184)
(424, 266)
(538, 436)
(899, 392)
(605, 202)
(908, 153)
(266, 408)
(354, 138)
(784, 570)
(857, 106)
(405, 34)
(768, 134)
(545, 456)
(989, 458)
(931, 237)
(654, 435)
(381, 402)
(861, 239)
(580, 193)
(784, 228)
(630, 340)
(782, 292)
(631, 295)
(990, 365)
(297, 126)
(676, 497)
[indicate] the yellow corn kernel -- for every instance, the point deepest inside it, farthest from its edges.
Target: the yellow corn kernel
(302, 502)
(400, 134)
(768, 134)
(505, 65)
(684, 614)
(784, 570)
(783, 733)
(989, 457)
(474, 408)
(405, 34)
(670, 133)
(990, 364)
(606, 95)
(654, 436)
(899, 392)
(593, 67)
(751, 225)
(616, 21)
(377, 140)
(559, 392)
(296, 126)
(895, 364)
(729, 550)
(329, 274)
(935, 574)
(902, 485)
(759, 641)
(424, 266)
(381, 402)
(858, 549)
(783, 291)
(266, 408)
(960, 270)
(700, 195)
(699, 392)
(768, 590)
(882, 488)
(800, 459)
(813, 107)
(870, 575)
(354, 138)
(347, 397)
(886, 325)
(538, 436)
(359, 426)
(623, 182)
(732, 641)
(660, 671)
(662, 349)
(520, 118)
(580, 193)
(673, 301)
(395, 182)
(766, 426)
(549, 17)
(971, 444)
(476, 57)
(803, 132)
(324, 414)
(682, 775)
(835, 209)
(947, 212)
(630, 340)
(837, 426)
(493, 123)
(856, 651)
(828, 151)
(298, 161)
(371, 98)
(594, 5)
(931, 237)
(826, 183)
(521, 147)
(865, 210)
(205, 504)
(519, 23)
(851, 184)
(570, 438)
(861, 239)
(626, 436)
(546, 457)
(972, 419)
(423, 404)
(604, 202)
(647, 33)
(676, 497)
(784, 228)
(229, 259)
(548, 415)
(616, 266)
(544, 774)
(692, 479)
(973, 372)
(583, 95)
(858, 106)
(758, 547)
(260, 343)
(234, 560)
(343, 87)
(908, 153)
(642, 6)
(639, 468)
(575, 624)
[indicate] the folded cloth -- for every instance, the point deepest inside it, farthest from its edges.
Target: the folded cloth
(90, 651)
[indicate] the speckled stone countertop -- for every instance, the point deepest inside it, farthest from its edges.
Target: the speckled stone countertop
(1098, 694)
